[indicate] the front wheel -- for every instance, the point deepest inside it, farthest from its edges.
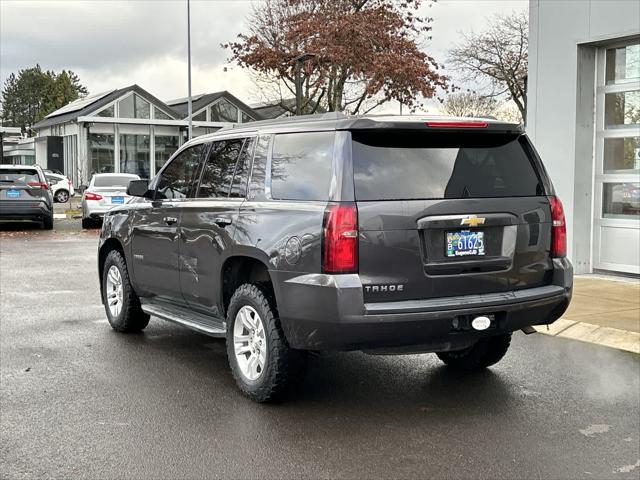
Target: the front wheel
(263, 365)
(120, 301)
(484, 353)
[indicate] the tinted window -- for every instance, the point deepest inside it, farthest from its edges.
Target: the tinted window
(259, 167)
(394, 166)
(113, 181)
(218, 170)
(239, 184)
(176, 179)
(301, 166)
(18, 177)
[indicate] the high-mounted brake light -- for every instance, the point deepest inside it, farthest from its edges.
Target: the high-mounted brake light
(457, 124)
(340, 238)
(92, 196)
(38, 185)
(558, 229)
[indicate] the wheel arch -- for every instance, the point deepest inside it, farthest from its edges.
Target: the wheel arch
(239, 269)
(108, 246)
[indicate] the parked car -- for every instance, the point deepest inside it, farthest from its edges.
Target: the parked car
(25, 195)
(333, 233)
(61, 187)
(105, 190)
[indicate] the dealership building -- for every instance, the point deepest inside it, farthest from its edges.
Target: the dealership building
(128, 130)
(583, 114)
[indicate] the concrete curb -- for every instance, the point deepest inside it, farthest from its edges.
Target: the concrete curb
(587, 332)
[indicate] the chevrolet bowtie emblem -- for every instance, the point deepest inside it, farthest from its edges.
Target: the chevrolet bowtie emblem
(472, 221)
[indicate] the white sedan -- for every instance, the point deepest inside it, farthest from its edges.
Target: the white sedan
(105, 191)
(61, 187)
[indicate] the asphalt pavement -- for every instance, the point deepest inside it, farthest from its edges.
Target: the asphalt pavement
(79, 400)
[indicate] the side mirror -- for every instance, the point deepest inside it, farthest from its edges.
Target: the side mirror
(139, 188)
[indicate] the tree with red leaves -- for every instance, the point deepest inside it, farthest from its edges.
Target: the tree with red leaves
(366, 53)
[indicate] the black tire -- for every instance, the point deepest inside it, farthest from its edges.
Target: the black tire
(87, 223)
(283, 365)
(131, 318)
(484, 353)
(62, 196)
(47, 223)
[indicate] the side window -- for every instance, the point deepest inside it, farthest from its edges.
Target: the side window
(176, 180)
(217, 172)
(259, 168)
(240, 179)
(301, 166)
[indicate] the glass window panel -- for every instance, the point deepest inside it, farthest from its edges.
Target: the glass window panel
(219, 169)
(160, 115)
(176, 180)
(166, 145)
(101, 153)
(623, 64)
(143, 108)
(241, 177)
(301, 166)
(223, 111)
(621, 154)
(390, 165)
(622, 109)
(134, 155)
(107, 112)
(246, 118)
(201, 117)
(621, 200)
(126, 107)
(259, 167)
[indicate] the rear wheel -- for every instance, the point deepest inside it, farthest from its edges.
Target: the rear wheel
(262, 363)
(47, 223)
(484, 353)
(120, 301)
(62, 196)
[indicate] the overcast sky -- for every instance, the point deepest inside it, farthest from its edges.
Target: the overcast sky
(111, 44)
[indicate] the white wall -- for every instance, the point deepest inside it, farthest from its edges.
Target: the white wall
(556, 93)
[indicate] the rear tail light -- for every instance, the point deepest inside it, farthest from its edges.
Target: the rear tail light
(340, 238)
(558, 229)
(457, 124)
(92, 196)
(38, 185)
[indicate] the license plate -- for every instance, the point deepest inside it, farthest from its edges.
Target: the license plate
(117, 199)
(464, 243)
(13, 193)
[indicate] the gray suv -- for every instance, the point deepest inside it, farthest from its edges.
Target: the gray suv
(323, 233)
(25, 195)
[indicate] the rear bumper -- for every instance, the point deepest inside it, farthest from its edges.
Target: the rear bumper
(27, 210)
(327, 312)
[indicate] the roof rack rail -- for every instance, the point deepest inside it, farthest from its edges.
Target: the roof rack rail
(314, 117)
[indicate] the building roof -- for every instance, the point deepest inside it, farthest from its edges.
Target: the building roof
(281, 108)
(200, 101)
(87, 105)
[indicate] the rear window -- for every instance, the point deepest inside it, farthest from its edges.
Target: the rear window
(402, 166)
(112, 181)
(18, 176)
(301, 166)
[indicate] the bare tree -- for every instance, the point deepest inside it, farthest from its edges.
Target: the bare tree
(497, 57)
(470, 104)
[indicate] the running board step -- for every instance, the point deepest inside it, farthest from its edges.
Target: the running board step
(209, 326)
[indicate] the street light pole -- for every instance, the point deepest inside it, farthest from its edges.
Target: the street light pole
(299, 60)
(189, 66)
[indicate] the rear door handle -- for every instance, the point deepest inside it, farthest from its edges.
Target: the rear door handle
(222, 221)
(170, 220)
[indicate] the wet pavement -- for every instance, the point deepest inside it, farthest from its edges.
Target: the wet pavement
(79, 400)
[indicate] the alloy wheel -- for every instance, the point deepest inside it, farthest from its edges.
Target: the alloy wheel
(114, 291)
(250, 343)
